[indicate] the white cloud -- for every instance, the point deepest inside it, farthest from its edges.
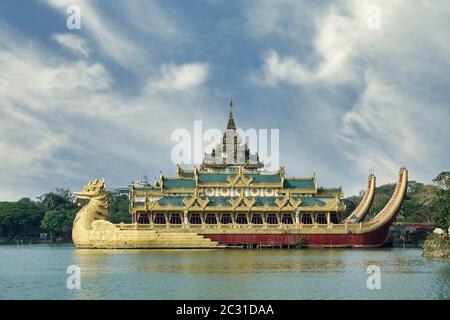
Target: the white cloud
(110, 38)
(72, 42)
(180, 77)
(339, 34)
(356, 99)
(63, 121)
(278, 21)
(135, 34)
(397, 75)
(150, 18)
(278, 69)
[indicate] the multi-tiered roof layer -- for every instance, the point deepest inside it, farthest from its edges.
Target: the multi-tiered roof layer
(231, 202)
(230, 179)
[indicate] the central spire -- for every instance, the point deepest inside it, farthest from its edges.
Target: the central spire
(231, 124)
(231, 150)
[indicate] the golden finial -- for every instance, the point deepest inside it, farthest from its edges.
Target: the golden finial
(231, 124)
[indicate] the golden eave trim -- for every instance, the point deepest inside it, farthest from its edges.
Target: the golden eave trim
(229, 185)
(249, 206)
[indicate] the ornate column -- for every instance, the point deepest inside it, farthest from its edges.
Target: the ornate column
(264, 217)
(185, 217)
(297, 217)
(203, 218)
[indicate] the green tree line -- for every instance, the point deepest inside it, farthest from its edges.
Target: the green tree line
(53, 212)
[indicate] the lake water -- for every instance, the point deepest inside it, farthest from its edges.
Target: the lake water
(39, 272)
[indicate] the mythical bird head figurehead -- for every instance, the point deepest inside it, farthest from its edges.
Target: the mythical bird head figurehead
(96, 208)
(92, 189)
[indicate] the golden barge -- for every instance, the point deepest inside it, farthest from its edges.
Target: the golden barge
(234, 203)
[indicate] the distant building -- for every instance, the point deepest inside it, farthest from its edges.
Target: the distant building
(121, 191)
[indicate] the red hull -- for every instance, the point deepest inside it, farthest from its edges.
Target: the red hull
(375, 238)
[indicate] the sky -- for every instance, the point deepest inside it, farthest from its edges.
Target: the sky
(348, 93)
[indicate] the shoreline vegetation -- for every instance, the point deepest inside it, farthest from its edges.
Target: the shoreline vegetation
(437, 246)
(49, 218)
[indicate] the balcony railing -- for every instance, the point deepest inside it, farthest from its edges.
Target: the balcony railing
(340, 226)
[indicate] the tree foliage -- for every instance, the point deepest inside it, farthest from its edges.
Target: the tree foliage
(20, 217)
(58, 223)
(443, 180)
(118, 208)
(58, 199)
(441, 204)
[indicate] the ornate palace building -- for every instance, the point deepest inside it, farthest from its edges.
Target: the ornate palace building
(231, 190)
(231, 201)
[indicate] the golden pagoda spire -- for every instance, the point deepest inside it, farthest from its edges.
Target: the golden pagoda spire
(231, 124)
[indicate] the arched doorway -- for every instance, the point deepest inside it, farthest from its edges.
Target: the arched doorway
(143, 218)
(241, 218)
(160, 218)
(195, 218)
(226, 218)
(287, 219)
(272, 218)
(257, 219)
(334, 218)
(321, 218)
(175, 218)
(211, 218)
(306, 218)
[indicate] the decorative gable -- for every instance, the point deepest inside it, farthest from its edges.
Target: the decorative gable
(196, 201)
(240, 180)
(288, 201)
(242, 202)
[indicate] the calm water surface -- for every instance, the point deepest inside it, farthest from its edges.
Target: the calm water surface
(39, 272)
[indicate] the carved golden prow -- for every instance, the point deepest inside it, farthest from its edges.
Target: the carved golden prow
(91, 217)
(96, 208)
(91, 230)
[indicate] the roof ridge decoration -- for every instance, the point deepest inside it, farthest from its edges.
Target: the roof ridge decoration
(288, 200)
(240, 177)
(196, 177)
(196, 200)
(149, 204)
(282, 173)
(161, 181)
(336, 203)
(242, 201)
(316, 185)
